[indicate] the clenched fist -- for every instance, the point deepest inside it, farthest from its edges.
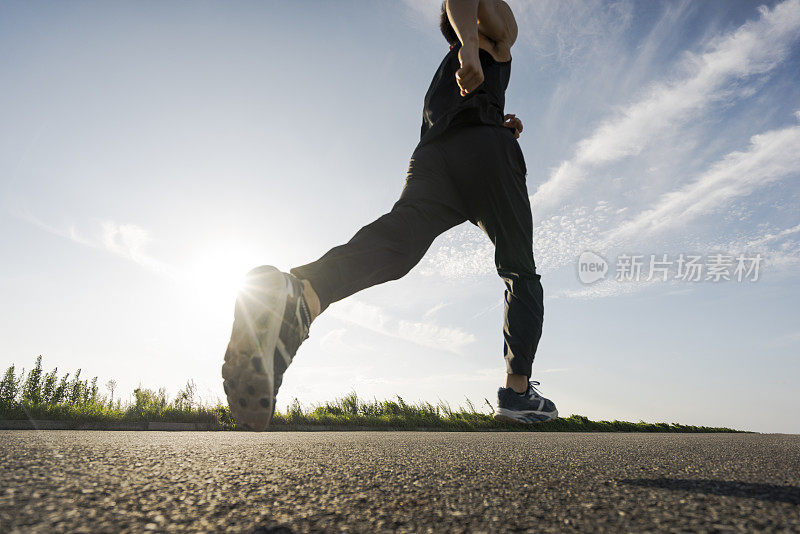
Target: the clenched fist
(470, 75)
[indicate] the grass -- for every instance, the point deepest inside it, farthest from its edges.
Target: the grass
(39, 396)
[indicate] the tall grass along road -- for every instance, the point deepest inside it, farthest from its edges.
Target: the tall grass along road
(36, 395)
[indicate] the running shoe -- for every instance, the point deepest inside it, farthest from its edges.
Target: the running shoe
(270, 322)
(528, 407)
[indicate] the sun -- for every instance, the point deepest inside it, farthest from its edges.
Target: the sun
(216, 271)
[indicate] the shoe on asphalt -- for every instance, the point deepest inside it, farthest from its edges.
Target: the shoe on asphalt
(270, 322)
(528, 407)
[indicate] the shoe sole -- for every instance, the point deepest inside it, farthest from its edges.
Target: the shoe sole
(525, 418)
(248, 371)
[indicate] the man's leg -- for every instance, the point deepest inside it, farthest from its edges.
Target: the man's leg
(491, 172)
(389, 247)
(272, 317)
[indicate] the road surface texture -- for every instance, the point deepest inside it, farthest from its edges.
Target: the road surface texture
(95, 481)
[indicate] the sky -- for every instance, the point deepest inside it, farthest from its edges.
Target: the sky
(153, 152)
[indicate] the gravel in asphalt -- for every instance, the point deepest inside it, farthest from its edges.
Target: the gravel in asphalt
(95, 481)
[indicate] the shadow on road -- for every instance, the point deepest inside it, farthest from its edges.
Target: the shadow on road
(751, 490)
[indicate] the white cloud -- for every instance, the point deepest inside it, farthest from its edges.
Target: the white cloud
(559, 239)
(754, 48)
(69, 233)
(434, 309)
(425, 334)
(498, 304)
(466, 253)
(567, 31)
(360, 314)
(462, 253)
(780, 249)
(771, 156)
(605, 288)
(334, 342)
(667, 112)
(434, 336)
(128, 241)
(769, 237)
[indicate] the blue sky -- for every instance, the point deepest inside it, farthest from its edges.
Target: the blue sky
(151, 153)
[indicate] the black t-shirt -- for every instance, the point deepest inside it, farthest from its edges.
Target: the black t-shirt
(444, 105)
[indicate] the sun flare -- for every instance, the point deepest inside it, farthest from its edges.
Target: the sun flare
(217, 270)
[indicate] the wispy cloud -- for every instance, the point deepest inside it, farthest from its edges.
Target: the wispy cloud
(771, 156)
(128, 241)
(335, 342)
(567, 31)
(604, 288)
(462, 253)
(660, 177)
(68, 232)
(426, 334)
(432, 311)
(770, 237)
(754, 48)
(498, 304)
(780, 248)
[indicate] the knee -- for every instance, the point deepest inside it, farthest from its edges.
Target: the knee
(527, 289)
(524, 273)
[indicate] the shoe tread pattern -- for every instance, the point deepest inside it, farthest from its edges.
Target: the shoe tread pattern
(264, 322)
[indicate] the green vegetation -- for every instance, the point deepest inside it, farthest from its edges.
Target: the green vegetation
(39, 396)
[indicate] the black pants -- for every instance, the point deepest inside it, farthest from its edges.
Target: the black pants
(470, 172)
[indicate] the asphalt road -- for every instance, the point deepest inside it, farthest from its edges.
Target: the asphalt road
(72, 481)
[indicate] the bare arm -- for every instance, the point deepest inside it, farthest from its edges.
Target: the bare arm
(488, 23)
(463, 15)
(496, 22)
